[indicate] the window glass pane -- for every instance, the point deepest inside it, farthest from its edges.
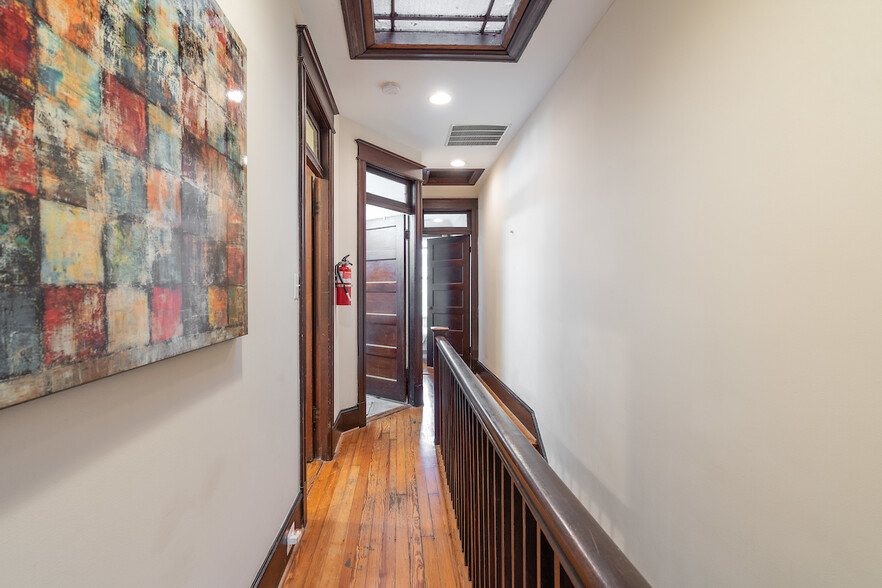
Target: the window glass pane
(382, 25)
(502, 8)
(374, 212)
(438, 26)
(439, 7)
(434, 220)
(494, 26)
(387, 188)
(312, 136)
(382, 7)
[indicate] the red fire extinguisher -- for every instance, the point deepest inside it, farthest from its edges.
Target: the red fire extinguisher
(343, 271)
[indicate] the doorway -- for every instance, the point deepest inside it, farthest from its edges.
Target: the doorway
(389, 261)
(450, 259)
(316, 270)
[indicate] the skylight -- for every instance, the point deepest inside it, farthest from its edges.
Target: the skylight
(475, 30)
(433, 16)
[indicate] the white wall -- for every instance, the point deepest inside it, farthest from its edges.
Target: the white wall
(179, 473)
(680, 272)
(346, 242)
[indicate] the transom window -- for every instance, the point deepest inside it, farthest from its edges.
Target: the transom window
(474, 30)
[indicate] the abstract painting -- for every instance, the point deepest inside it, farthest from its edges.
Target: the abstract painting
(122, 187)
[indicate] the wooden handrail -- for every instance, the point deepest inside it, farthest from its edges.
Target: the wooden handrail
(583, 554)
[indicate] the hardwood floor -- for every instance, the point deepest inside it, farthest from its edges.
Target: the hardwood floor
(379, 514)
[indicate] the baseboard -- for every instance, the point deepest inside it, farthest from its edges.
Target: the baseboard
(273, 568)
(512, 401)
(348, 419)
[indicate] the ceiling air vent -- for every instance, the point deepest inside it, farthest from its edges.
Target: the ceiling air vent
(475, 135)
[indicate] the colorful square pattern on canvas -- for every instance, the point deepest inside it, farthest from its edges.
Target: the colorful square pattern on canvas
(122, 187)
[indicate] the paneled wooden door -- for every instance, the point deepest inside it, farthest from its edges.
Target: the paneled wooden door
(449, 285)
(386, 308)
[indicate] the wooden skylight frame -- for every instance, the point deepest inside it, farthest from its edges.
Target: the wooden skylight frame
(506, 46)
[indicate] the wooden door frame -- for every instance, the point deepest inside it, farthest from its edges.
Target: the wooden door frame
(470, 207)
(372, 156)
(316, 100)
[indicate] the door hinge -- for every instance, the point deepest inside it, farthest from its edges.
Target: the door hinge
(406, 234)
(315, 414)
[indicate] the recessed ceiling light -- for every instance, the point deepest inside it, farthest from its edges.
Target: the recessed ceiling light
(390, 88)
(236, 95)
(457, 163)
(440, 98)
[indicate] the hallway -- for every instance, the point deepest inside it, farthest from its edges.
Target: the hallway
(379, 514)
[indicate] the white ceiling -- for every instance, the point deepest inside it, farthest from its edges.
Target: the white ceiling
(483, 93)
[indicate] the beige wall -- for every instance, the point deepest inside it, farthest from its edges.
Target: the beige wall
(680, 272)
(346, 242)
(180, 473)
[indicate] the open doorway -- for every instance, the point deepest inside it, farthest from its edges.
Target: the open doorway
(316, 154)
(450, 261)
(388, 289)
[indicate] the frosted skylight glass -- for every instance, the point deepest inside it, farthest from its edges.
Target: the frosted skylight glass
(502, 8)
(440, 7)
(438, 26)
(440, 16)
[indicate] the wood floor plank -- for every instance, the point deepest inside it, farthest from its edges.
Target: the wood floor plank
(377, 514)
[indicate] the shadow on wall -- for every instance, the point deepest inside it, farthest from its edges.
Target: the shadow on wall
(67, 431)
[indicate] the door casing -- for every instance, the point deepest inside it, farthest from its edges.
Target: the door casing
(315, 284)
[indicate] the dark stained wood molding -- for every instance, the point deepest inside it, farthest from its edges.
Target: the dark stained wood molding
(273, 568)
(449, 204)
(415, 279)
(308, 58)
(452, 176)
(389, 161)
(347, 420)
(508, 45)
(512, 401)
(524, 30)
(361, 266)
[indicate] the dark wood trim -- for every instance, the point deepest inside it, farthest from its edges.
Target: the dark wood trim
(388, 203)
(512, 401)
(347, 420)
(308, 56)
(389, 162)
(452, 176)
(415, 283)
(508, 45)
(450, 204)
(273, 568)
(361, 267)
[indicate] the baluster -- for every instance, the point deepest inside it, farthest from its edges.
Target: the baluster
(517, 535)
(506, 527)
(531, 548)
(547, 562)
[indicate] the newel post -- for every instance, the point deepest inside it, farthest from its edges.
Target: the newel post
(437, 334)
